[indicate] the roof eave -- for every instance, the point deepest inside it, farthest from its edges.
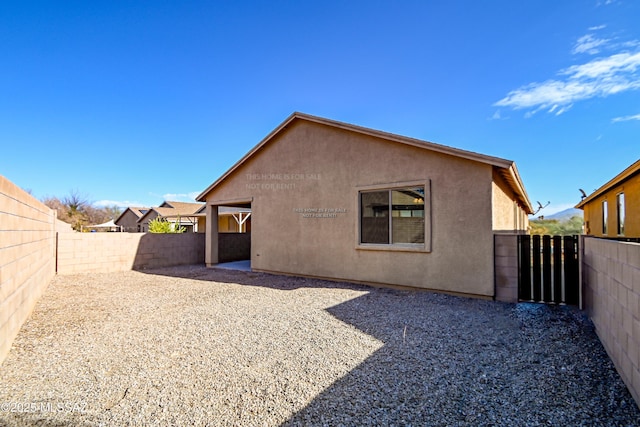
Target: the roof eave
(618, 179)
(469, 155)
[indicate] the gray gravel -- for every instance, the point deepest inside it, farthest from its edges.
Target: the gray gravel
(193, 346)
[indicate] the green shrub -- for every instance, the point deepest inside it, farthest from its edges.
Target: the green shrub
(161, 225)
(554, 227)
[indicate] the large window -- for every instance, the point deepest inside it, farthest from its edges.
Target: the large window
(620, 211)
(605, 216)
(393, 216)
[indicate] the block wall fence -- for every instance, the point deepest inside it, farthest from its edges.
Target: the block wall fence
(31, 250)
(34, 245)
(505, 261)
(611, 292)
(111, 252)
(27, 257)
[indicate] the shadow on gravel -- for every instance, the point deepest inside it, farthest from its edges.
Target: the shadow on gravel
(458, 361)
(220, 275)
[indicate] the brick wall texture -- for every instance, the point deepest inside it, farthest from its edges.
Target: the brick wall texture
(234, 247)
(110, 252)
(27, 257)
(506, 267)
(611, 279)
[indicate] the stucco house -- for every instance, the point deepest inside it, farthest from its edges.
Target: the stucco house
(613, 210)
(338, 201)
(128, 220)
(185, 213)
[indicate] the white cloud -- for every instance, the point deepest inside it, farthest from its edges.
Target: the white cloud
(597, 27)
(496, 116)
(614, 65)
(589, 44)
(600, 77)
(626, 118)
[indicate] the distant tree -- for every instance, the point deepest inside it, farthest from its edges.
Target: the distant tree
(95, 215)
(112, 212)
(75, 202)
(557, 228)
(77, 210)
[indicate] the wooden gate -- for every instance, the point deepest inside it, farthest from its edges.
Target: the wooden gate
(548, 269)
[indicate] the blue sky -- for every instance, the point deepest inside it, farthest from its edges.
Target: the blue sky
(131, 103)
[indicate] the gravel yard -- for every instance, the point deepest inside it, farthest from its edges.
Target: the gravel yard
(195, 346)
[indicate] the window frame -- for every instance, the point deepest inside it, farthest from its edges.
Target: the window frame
(620, 213)
(389, 187)
(605, 217)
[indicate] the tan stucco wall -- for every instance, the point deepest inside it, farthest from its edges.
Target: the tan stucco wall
(27, 257)
(508, 216)
(593, 210)
(144, 224)
(202, 224)
(309, 165)
(129, 222)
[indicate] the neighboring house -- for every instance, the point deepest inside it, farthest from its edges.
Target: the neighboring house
(613, 210)
(186, 214)
(338, 201)
(128, 220)
(233, 219)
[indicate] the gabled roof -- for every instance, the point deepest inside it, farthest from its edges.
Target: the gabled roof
(182, 208)
(629, 172)
(507, 168)
(174, 210)
(137, 211)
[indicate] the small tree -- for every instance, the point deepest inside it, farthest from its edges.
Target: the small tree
(161, 225)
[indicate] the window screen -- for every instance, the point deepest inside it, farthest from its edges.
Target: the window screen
(392, 216)
(374, 221)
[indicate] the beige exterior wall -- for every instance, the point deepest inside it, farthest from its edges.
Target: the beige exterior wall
(129, 222)
(611, 278)
(146, 219)
(27, 257)
(311, 166)
(508, 215)
(202, 224)
(110, 252)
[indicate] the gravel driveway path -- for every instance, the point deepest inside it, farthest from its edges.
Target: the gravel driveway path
(195, 346)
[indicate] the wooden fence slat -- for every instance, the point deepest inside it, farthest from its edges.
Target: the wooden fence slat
(537, 279)
(557, 269)
(546, 268)
(571, 270)
(524, 265)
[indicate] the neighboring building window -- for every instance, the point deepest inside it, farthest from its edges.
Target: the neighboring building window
(620, 212)
(393, 216)
(604, 216)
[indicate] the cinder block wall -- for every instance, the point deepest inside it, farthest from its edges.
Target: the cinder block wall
(110, 252)
(611, 280)
(27, 257)
(234, 247)
(506, 267)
